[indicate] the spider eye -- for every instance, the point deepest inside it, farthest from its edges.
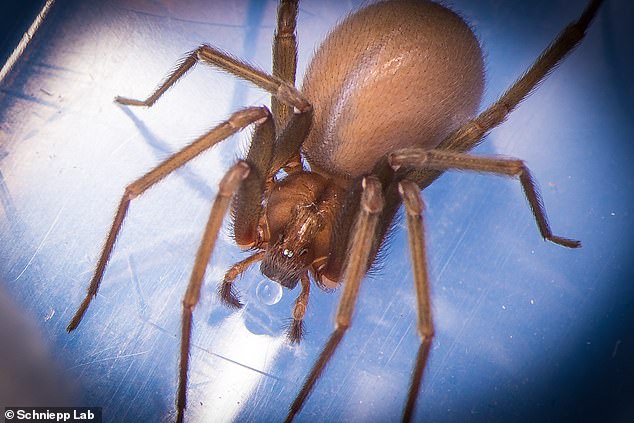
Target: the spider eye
(288, 253)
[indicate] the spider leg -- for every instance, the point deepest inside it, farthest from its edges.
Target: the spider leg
(442, 160)
(265, 158)
(227, 294)
(285, 92)
(228, 186)
(472, 132)
(285, 66)
(296, 330)
(295, 125)
(410, 193)
(289, 141)
(247, 207)
(284, 55)
(355, 269)
(236, 122)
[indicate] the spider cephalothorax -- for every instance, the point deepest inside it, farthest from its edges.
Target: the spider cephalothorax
(299, 222)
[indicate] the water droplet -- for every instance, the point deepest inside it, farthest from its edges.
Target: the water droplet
(269, 292)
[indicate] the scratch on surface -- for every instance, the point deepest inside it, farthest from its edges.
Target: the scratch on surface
(96, 353)
(459, 335)
(116, 357)
(616, 348)
(263, 373)
(405, 334)
(137, 285)
(39, 247)
(457, 244)
(121, 145)
(186, 20)
(160, 328)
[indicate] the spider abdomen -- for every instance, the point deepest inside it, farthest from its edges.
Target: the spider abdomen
(393, 75)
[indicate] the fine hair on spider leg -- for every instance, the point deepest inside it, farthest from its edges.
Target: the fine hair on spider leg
(353, 146)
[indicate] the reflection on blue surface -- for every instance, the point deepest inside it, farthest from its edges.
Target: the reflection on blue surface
(526, 330)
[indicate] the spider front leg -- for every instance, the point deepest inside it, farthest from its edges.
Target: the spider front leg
(360, 249)
(227, 293)
(443, 160)
(236, 122)
(228, 186)
(295, 331)
(231, 299)
(247, 209)
(267, 155)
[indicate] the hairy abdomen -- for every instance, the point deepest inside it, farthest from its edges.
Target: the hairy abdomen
(395, 74)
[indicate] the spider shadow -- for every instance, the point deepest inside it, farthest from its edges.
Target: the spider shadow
(162, 149)
(5, 195)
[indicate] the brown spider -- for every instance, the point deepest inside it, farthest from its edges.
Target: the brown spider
(329, 222)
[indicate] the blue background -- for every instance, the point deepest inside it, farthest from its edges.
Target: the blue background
(526, 330)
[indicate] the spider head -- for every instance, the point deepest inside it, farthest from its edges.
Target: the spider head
(288, 257)
(297, 227)
(284, 264)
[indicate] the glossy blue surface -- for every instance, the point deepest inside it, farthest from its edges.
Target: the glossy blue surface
(526, 330)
